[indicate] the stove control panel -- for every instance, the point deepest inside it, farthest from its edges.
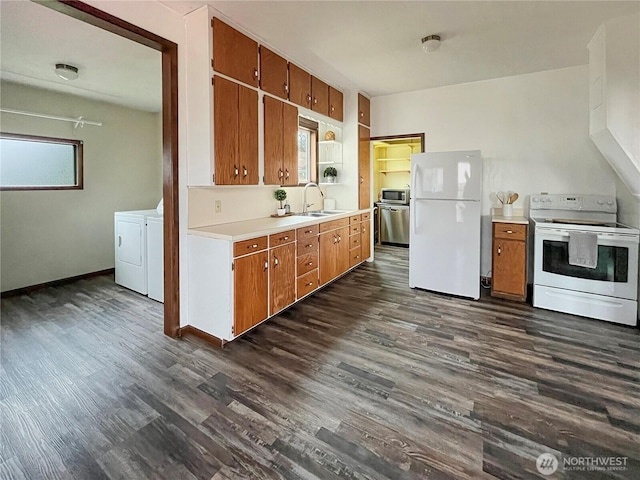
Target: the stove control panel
(587, 203)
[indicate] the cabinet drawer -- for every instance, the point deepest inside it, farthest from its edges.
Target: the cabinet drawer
(354, 219)
(332, 225)
(354, 241)
(249, 246)
(512, 231)
(353, 229)
(355, 256)
(310, 231)
(307, 262)
(282, 238)
(366, 217)
(307, 245)
(307, 283)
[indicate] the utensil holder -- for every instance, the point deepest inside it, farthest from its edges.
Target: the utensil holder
(507, 210)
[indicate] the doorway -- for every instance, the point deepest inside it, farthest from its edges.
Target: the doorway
(169, 51)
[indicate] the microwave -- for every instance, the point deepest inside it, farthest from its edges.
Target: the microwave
(395, 195)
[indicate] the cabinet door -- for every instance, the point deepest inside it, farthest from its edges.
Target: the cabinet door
(299, 86)
(234, 54)
(509, 267)
(273, 73)
(329, 252)
(365, 240)
(290, 144)
(273, 148)
(320, 94)
(364, 110)
(248, 135)
(251, 291)
(225, 131)
(344, 246)
(335, 104)
(283, 277)
(364, 168)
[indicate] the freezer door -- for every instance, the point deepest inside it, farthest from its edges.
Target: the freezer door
(444, 251)
(447, 175)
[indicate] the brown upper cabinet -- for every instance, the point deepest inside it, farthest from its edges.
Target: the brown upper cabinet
(234, 54)
(335, 104)
(299, 86)
(273, 73)
(364, 110)
(320, 96)
(280, 142)
(235, 136)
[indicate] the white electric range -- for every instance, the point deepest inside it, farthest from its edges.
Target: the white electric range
(607, 292)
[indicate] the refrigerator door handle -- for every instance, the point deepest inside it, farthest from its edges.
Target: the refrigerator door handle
(414, 207)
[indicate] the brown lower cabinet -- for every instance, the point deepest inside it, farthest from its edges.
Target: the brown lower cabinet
(283, 277)
(509, 261)
(251, 291)
(364, 167)
(334, 254)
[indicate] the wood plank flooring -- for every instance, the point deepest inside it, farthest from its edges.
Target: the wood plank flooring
(367, 379)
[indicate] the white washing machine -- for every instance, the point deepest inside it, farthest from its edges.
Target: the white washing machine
(131, 250)
(155, 258)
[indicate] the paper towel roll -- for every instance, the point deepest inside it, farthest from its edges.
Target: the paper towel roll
(329, 204)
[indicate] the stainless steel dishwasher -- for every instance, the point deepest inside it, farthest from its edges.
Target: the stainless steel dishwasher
(394, 224)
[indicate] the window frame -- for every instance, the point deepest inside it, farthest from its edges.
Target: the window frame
(313, 127)
(79, 160)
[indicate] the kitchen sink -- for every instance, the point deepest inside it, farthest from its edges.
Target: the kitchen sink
(322, 213)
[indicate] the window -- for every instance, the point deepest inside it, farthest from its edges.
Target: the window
(39, 163)
(307, 151)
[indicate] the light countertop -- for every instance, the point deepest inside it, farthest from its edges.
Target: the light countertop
(264, 226)
(514, 219)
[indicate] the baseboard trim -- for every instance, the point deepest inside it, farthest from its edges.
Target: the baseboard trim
(188, 329)
(54, 283)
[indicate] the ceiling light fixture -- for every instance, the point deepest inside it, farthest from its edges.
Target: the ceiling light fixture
(431, 43)
(66, 72)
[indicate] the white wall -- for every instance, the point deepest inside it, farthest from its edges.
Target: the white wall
(49, 235)
(533, 131)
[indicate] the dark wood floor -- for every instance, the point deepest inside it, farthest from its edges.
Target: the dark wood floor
(367, 379)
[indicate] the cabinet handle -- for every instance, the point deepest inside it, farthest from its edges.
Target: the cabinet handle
(357, 257)
(275, 260)
(499, 249)
(309, 284)
(339, 238)
(361, 114)
(308, 98)
(310, 263)
(119, 240)
(244, 170)
(280, 173)
(286, 173)
(284, 238)
(255, 73)
(315, 100)
(335, 239)
(286, 88)
(332, 109)
(255, 245)
(235, 171)
(310, 245)
(361, 180)
(266, 265)
(509, 231)
(308, 231)
(364, 230)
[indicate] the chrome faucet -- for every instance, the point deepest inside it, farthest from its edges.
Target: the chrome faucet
(306, 205)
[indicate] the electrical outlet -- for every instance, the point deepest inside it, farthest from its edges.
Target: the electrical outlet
(218, 206)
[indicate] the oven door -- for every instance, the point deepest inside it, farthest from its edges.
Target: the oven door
(615, 275)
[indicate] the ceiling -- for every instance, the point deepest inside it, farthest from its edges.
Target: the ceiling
(112, 69)
(372, 46)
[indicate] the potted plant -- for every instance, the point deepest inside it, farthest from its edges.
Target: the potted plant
(281, 196)
(330, 173)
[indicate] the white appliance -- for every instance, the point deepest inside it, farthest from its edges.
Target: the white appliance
(131, 249)
(155, 258)
(607, 292)
(444, 251)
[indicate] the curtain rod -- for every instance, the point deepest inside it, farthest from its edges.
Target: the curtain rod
(79, 122)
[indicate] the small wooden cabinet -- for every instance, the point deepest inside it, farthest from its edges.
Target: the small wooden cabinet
(234, 54)
(509, 261)
(364, 168)
(334, 253)
(299, 86)
(336, 104)
(280, 142)
(273, 73)
(319, 96)
(365, 235)
(283, 276)
(364, 110)
(235, 120)
(251, 291)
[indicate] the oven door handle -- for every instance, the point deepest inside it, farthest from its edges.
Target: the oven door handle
(563, 235)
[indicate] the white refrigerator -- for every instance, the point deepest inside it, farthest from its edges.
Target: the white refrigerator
(444, 244)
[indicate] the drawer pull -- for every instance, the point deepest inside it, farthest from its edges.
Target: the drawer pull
(255, 245)
(284, 238)
(309, 284)
(255, 73)
(308, 231)
(275, 260)
(235, 171)
(310, 245)
(509, 231)
(244, 169)
(499, 249)
(266, 265)
(309, 264)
